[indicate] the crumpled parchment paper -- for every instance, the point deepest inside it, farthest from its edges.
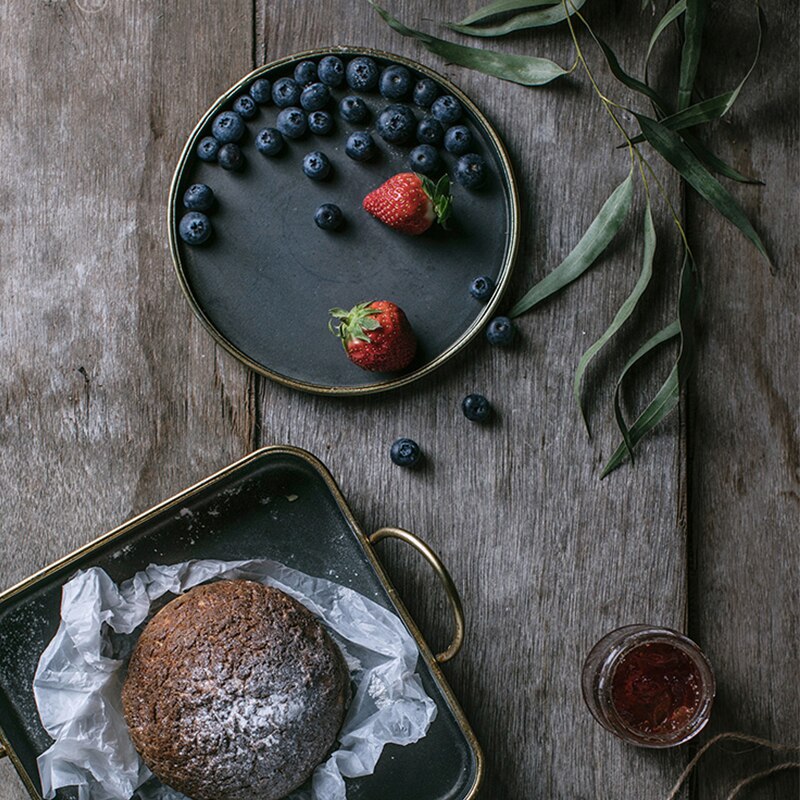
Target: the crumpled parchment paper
(78, 680)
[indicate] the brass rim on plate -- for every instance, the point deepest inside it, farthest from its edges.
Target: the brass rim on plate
(477, 324)
(425, 651)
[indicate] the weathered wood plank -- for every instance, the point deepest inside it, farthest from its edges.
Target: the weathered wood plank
(112, 396)
(548, 559)
(745, 606)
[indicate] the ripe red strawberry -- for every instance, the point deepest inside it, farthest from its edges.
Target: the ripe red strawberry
(376, 336)
(411, 203)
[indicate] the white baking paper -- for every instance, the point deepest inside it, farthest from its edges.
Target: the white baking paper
(78, 681)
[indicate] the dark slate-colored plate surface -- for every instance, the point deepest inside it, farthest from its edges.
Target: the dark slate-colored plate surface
(265, 281)
(275, 505)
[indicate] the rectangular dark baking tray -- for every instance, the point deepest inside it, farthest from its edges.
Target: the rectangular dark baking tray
(280, 503)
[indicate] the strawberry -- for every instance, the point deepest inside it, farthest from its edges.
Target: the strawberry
(376, 336)
(411, 203)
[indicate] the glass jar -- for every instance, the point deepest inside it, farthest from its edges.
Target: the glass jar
(652, 687)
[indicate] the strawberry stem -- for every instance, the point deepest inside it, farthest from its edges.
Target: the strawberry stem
(440, 197)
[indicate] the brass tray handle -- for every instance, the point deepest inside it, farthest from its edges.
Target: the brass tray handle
(3, 753)
(444, 576)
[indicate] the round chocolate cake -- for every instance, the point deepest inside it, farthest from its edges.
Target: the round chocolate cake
(234, 692)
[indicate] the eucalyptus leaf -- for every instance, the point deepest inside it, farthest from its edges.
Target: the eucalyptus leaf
(504, 7)
(597, 237)
(665, 22)
(693, 25)
(668, 396)
(525, 70)
(675, 151)
(714, 162)
(625, 310)
(521, 22)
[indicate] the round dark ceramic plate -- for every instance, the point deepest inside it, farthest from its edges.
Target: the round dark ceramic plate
(264, 282)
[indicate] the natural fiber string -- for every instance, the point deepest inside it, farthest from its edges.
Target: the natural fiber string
(759, 775)
(736, 737)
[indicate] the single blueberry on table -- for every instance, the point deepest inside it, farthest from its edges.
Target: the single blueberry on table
(500, 331)
(405, 453)
(230, 157)
(194, 228)
(286, 92)
(481, 288)
(228, 127)
(396, 123)
(425, 92)
(198, 197)
(360, 146)
(261, 91)
(458, 140)
(471, 171)
(320, 123)
(269, 142)
(394, 82)
(476, 407)
(208, 148)
(353, 109)
(315, 97)
(447, 109)
(245, 106)
(331, 71)
(329, 217)
(362, 74)
(292, 122)
(424, 158)
(430, 131)
(305, 72)
(316, 165)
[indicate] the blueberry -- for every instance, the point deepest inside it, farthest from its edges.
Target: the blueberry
(198, 197)
(320, 123)
(458, 140)
(424, 158)
(245, 106)
(261, 91)
(305, 72)
(328, 217)
(331, 71)
(353, 109)
(476, 407)
(360, 146)
(208, 148)
(396, 123)
(471, 171)
(482, 288)
(362, 74)
(269, 142)
(194, 227)
(230, 157)
(430, 131)
(394, 83)
(500, 331)
(292, 122)
(425, 92)
(447, 109)
(315, 97)
(316, 165)
(286, 92)
(228, 127)
(405, 453)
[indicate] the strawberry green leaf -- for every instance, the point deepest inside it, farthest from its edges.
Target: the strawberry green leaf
(525, 70)
(598, 236)
(521, 22)
(625, 310)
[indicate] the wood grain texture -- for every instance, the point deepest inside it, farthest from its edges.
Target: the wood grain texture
(745, 427)
(112, 396)
(547, 558)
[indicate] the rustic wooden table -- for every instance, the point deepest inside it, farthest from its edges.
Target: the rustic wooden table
(114, 397)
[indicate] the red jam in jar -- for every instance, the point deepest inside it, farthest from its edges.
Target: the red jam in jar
(656, 688)
(650, 686)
